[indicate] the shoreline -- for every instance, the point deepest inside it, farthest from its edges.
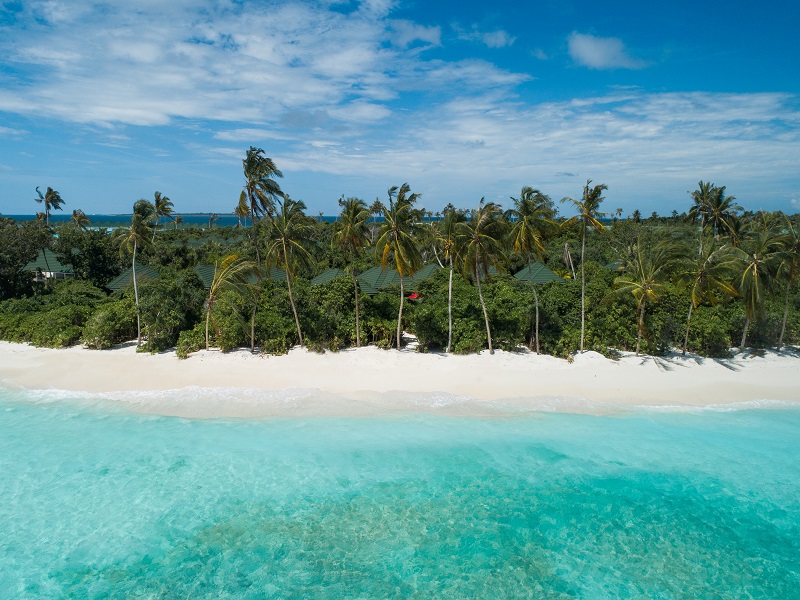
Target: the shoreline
(372, 382)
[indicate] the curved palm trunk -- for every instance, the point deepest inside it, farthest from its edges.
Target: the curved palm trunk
(358, 327)
(688, 322)
(785, 312)
(400, 314)
(744, 333)
(483, 305)
(640, 329)
(536, 300)
(450, 308)
(208, 317)
(253, 325)
(291, 297)
(583, 285)
(136, 297)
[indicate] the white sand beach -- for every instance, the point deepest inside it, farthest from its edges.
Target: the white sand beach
(372, 381)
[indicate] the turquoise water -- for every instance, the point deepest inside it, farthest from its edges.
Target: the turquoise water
(96, 502)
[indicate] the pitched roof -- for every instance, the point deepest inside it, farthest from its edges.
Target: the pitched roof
(327, 276)
(375, 279)
(206, 275)
(46, 262)
(537, 273)
(124, 279)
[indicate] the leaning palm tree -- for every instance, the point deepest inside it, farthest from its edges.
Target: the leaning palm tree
(79, 220)
(351, 235)
(643, 278)
(532, 221)
(232, 273)
(707, 277)
(759, 261)
(52, 201)
(261, 191)
(130, 239)
(447, 238)
(481, 247)
(164, 208)
(396, 243)
(589, 215)
(287, 233)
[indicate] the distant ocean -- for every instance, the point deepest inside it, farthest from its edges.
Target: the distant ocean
(189, 220)
(97, 502)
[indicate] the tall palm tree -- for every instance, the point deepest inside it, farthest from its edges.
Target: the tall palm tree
(589, 215)
(759, 261)
(715, 210)
(287, 233)
(447, 238)
(645, 271)
(789, 266)
(531, 223)
(481, 247)
(79, 220)
(52, 201)
(351, 235)
(177, 220)
(261, 191)
(232, 273)
(396, 243)
(130, 239)
(706, 277)
(164, 208)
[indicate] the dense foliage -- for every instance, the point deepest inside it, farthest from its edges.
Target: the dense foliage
(703, 282)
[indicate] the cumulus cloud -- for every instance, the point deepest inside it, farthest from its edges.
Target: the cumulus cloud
(601, 53)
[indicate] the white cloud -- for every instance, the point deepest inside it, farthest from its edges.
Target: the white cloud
(408, 32)
(498, 38)
(601, 53)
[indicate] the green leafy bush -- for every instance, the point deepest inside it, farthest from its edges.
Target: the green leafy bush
(111, 323)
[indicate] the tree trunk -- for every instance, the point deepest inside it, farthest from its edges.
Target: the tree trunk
(640, 327)
(291, 300)
(136, 297)
(688, 322)
(483, 305)
(253, 325)
(208, 317)
(450, 308)
(358, 327)
(744, 333)
(583, 285)
(785, 312)
(536, 299)
(400, 314)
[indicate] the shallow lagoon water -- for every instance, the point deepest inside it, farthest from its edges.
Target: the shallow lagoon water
(98, 502)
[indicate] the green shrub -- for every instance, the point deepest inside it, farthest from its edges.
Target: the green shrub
(110, 324)
(191, 340)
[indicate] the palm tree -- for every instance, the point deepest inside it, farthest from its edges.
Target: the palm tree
(706, 277)
(789, 266)
(589, 215)
(396, 243)
(79, 220)
(531, 222)
(288, 230)
(759, 261)
(714, 209)
(242, 210)
(232, 273)
(52, 201)
(481, 242)
(130, 239)
(261, 191)
(177, 220)
(644, 273)
(350, 235)
(447, 237)
(212, 219)
(164, 208)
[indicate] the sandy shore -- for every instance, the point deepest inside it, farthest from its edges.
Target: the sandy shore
(370, 380)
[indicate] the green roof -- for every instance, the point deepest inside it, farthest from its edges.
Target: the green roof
(537, 273)
(327, 276)
(124, 279)
(206, 275)
(47, 262)
(375, 279)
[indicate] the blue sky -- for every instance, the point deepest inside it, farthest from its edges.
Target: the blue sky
(108, 102)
